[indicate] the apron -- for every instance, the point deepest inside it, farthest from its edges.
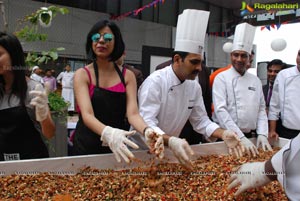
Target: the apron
(110, 108)
(19, 139)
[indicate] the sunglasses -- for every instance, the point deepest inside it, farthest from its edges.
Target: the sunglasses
(107, 37)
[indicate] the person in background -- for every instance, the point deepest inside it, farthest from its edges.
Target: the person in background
(273, 69)
(171, 96)
(238, 99)
(36, 74)
(137, 73)
(24, 110)
(106, 94)
(50, 80)
(283, 166)
(188, 133)
(66, 80)
(216, 72)
(285, 102)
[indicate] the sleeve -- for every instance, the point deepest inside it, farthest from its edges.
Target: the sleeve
(262, 120)
(149, 97)
(221, 108)
(287, 156)
(274, 107)
(199, 119)
(59, 77)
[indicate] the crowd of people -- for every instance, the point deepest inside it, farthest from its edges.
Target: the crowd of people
(108, 101)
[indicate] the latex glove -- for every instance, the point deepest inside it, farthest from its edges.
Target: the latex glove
(249, 175)
(263, 141)
(40, 102)
(181, 149)
(155, 142)
(117, 141)
(249, 146)
(233, 143)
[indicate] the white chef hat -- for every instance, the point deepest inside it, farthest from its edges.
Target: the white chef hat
(243, 37)
(191, 30)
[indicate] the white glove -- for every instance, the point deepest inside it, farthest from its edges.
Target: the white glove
(263, 141)
(233, 143)
(117, 141)
(155, 142)
(181, 149)
(249, 146)
(40, 102)
(249, 175)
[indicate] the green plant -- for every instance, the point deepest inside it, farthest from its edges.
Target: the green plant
(58, 104)
(31, 33)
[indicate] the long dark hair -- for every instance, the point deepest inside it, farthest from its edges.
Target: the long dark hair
(13, 46)
(119, 43)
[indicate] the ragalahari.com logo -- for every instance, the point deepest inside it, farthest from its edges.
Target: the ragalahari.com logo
(246, 8)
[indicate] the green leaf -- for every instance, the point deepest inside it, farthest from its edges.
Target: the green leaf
(53, 55)
(60, 49)
(42, 59)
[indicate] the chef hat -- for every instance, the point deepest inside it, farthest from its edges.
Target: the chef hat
(34, 68)
(243, 37)
(191, 30)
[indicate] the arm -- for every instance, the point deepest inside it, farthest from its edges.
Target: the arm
(115, 138)
(220, 106)
(274, 109)
(48, 127)
(59, 77)
(81, 91)
(222, 113)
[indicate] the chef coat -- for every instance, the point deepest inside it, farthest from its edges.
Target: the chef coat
(285, 98)
(66, 78)
(239, 103)
(166, 103)
(286, 163)
(37, 78)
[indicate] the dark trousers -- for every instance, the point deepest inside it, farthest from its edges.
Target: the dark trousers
(288, 133)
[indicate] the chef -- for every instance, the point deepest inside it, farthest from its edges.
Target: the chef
(171, 96)
(283, 166)
(285, 101)
(66, 80)
(238, 97)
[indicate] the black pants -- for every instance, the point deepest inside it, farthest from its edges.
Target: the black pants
(288, 133)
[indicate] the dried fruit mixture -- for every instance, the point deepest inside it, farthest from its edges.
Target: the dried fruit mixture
(207, 180)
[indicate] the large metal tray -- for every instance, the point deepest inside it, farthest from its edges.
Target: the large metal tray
(72, 165)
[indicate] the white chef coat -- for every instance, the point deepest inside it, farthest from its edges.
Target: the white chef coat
(166, 103)
(66, 79)
(37, 78)
(286, 163)
(239, 103)
(285, 98)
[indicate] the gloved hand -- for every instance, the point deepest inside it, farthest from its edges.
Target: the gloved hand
(155, 142)
(233, 143)
(249, 146)
(261, 139)
(249, 175)
(181, 149)
(117, 141)
(40, 102)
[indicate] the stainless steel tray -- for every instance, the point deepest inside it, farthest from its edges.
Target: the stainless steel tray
(71, 165)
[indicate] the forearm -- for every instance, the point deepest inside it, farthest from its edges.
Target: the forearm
(272, 125)
(137, 122)
(269, 171)
(218, 133)
(48, 127)
(93, 123)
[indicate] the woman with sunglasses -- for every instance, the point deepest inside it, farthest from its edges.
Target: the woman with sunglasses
(106, 94)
